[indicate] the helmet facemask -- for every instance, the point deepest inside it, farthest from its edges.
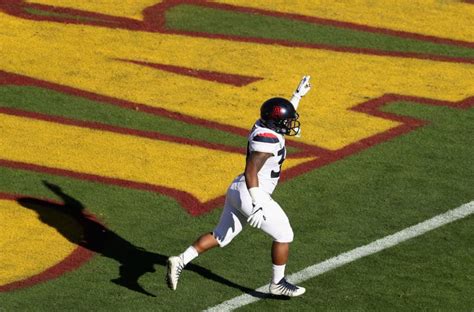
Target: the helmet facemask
(288, 126)
(292, 126)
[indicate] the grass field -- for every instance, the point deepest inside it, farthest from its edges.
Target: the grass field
(122, 124)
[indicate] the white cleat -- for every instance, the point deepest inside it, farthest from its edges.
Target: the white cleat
(175, 267)
(284, 288)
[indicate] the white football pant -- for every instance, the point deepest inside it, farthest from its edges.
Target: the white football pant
(238, 207)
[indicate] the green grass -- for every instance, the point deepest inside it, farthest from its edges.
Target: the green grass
(215, 21)
(429, 273)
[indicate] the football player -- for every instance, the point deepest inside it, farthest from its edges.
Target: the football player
(249, 198)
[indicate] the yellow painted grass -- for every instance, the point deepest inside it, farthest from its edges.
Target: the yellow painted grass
(28, 246)
(447, 19)
(84, 57)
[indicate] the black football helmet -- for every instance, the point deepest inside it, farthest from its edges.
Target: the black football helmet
(279, 115)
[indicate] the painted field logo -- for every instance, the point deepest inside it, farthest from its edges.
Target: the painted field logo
(40, 240)
(111, 93)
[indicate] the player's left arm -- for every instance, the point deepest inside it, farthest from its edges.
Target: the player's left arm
(303, 87)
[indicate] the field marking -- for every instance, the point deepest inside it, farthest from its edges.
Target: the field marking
(355, 254)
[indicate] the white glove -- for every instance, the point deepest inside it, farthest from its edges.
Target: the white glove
(259, 199)
(301, 91)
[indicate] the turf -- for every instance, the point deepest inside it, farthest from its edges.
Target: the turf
(45, 101)
(332, 215)
(214, 21)
(333, 209)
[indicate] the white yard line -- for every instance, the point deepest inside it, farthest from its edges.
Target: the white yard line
(357, 253)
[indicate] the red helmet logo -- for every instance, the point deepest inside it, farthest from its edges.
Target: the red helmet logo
(277, 112)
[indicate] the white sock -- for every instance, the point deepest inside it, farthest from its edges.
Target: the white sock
(189, 254)
(278, 273)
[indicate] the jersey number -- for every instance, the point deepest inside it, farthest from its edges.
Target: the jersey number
(282, 153)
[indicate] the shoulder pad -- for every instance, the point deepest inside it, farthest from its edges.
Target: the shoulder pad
(265, 137)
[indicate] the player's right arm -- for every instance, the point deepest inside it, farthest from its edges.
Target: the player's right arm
(255, 162)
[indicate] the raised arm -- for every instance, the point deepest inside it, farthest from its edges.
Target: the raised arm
(303, 88)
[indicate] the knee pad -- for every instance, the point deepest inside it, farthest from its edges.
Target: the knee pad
(230, 225)
(286, 235)
(222, 240)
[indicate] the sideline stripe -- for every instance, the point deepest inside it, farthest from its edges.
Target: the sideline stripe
(355, 254)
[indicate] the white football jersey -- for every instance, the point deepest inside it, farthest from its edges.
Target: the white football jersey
(265, 140)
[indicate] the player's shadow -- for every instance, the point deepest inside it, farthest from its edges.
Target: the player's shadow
(134, 261)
